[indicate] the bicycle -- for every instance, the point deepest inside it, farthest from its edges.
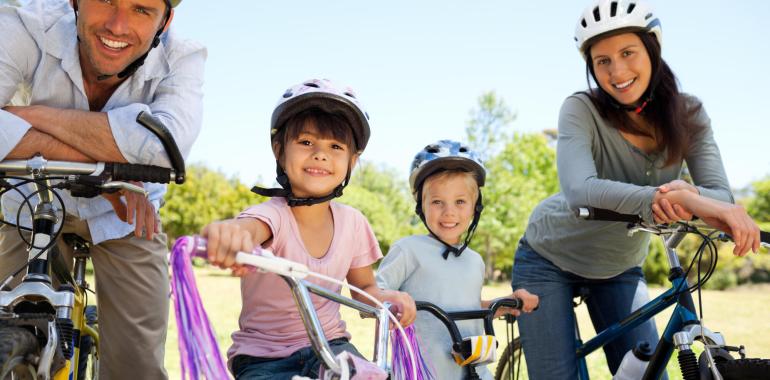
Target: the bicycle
(338, 367)
(48, 332)
(684, 325)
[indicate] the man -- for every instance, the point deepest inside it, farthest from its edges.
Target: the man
(87, 68)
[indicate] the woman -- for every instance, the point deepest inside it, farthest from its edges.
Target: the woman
(621, 146)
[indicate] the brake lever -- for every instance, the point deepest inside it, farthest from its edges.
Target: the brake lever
(120, 185)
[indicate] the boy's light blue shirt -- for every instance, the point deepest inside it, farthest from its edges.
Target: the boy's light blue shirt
(415, 265)
(39, 58)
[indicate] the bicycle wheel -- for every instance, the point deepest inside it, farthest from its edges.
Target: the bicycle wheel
(19, 349)
(745, 369)
(511, 365)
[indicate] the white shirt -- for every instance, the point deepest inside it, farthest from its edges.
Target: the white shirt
(39, 57)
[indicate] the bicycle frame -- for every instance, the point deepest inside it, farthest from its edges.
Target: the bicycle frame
(684, 319)
(37, 292)
(301, 290)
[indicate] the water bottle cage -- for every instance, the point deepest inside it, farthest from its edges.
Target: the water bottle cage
(480, 349)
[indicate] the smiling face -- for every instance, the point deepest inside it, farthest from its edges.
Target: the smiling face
(622, 67)
(316, 163)
(114, 33)
(448, 202)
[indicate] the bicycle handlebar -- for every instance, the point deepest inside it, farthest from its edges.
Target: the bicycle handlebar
(449, 318)
(592, 213)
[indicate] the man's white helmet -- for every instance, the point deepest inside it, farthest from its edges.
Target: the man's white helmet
(605, 16)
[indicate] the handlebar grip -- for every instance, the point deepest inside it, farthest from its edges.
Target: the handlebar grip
(142, 173)
(764, 236)
(167, 139)
(592, 213)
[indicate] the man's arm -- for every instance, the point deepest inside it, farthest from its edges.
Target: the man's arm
(51, 148)
(88, 131)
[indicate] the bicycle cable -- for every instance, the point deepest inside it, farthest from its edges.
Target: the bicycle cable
(26, 202)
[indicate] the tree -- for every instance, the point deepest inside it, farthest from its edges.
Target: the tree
(206, 196)
(759, 205)
(378, 193)
(521, 171)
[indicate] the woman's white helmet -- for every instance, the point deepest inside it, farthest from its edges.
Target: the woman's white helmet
(325, 95)
(606, 16)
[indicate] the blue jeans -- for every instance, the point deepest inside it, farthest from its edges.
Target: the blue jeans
(302, 362)
(548, 334)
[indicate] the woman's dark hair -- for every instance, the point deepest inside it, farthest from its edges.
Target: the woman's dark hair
(667, 111)
(329, 126)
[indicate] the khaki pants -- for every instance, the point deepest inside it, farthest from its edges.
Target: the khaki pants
(132, 287)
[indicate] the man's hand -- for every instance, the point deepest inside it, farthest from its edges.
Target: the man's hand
(137, 210)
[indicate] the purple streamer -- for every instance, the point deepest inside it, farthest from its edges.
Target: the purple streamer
(401, 361)
(198, 349)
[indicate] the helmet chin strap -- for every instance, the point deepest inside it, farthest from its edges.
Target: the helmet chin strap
(291, 200)
(637, 108)
(448, 248)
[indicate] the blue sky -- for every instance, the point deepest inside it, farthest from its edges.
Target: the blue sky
(419, 67)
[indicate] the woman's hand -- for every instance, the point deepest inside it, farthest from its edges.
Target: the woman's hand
(723, 216)
(666, 212)
(529, 300)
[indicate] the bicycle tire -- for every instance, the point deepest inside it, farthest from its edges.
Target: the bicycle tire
(744, 369)
(508, 367)
(19, 348)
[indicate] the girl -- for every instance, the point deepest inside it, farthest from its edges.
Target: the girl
(621, 147)
(317, 132)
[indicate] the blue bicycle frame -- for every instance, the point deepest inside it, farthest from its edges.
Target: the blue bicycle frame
(683, 318)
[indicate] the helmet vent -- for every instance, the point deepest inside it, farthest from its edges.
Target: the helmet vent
(463, 149)
(597, 16)
(613, 8)
(648, 16)
(631, 8)
(311, 84)
(432, 149)
(350, 94)
(287, 94)
(584, 23)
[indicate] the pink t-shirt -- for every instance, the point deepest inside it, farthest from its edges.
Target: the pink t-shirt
(270, 325)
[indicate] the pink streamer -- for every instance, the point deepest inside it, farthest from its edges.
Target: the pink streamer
(401, 361)
(198, 349)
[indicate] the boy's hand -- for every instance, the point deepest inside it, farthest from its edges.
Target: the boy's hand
(405, 303)
(225, 239)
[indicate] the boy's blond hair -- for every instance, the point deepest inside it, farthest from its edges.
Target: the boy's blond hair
(470, 180)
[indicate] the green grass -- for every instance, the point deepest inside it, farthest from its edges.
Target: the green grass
(741, 315)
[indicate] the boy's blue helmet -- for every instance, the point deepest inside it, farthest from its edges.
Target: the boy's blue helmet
(444, 155)
(440, 156)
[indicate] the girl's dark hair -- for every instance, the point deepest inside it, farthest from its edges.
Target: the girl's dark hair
(329, 126)
(668, 112)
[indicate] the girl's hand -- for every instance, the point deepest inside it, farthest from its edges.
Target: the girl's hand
(225, 239)
(663, 210)
(405, 303)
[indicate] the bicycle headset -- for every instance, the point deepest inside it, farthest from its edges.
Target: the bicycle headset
(324, 95)
(441, 156)
(131, 68)
(605, 18)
